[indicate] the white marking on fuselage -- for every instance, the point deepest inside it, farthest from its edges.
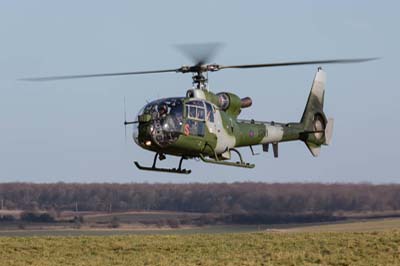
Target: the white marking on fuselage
(224, 140)
(273, 133)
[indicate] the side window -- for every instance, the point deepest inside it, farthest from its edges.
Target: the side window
(195, 110)
(200, 113)
(192, 111)
(210, 113)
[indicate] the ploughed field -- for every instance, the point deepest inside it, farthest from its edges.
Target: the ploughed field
(262, 248)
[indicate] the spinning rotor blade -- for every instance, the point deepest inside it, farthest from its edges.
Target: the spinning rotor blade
(200, 53)
(317, 62)
(100, 75)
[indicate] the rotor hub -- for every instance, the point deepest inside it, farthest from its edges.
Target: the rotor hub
(199, 81)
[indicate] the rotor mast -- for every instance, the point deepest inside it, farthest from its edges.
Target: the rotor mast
(199, 74)
(200, 81)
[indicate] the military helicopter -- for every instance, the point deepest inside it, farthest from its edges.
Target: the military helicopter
(205, 125)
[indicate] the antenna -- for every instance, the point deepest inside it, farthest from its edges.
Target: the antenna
(125, 117)
(127, 122)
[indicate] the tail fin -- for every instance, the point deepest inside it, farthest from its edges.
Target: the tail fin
(317, 128)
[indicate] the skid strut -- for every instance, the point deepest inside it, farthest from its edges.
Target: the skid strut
(240, 163)
(178, 170)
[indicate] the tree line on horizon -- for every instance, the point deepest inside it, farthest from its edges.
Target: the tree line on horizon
(224, 198)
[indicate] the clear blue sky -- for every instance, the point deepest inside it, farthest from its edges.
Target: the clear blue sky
(72, 130)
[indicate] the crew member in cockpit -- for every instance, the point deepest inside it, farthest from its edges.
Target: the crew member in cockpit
(162, 110)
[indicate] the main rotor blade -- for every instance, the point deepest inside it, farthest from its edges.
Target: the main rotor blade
(317, 62)
(99, 75)
(199, 67)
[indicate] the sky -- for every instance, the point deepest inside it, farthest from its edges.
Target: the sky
(72, 131)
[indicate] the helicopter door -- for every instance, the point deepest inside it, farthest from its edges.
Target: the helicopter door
(210, 122)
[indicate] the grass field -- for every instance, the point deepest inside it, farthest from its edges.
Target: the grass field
(367, 248)
(373, 242)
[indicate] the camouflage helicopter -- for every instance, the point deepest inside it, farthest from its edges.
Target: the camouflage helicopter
(205, 125)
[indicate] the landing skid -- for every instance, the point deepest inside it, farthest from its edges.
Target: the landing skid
(178, 170)
(240, 163)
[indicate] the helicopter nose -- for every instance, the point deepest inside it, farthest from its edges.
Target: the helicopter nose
(156, 132)
(149, 134)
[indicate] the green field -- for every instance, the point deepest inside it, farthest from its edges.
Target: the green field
(372, 242)
(367, 248)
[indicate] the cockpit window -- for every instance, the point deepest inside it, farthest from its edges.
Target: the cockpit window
(200, 113)
(191, 111)
(163, 107)
(195, 110)
(166, 119)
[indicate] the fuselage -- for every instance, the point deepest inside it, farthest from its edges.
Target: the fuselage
(204, 123)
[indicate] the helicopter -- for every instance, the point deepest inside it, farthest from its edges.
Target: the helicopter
(206, 125)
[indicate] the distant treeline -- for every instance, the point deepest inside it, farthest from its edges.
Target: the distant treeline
(233, 198)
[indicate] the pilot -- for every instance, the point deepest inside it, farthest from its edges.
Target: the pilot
(162, 110)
